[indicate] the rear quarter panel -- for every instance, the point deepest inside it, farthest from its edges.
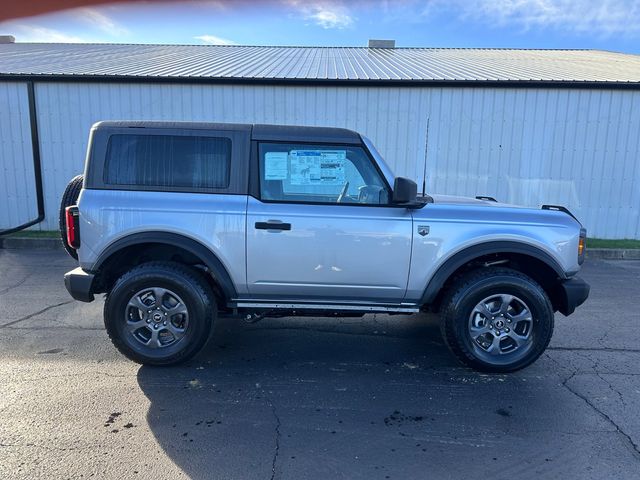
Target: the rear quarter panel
(218, 221)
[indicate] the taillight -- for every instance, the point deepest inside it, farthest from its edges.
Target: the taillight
(73, 227)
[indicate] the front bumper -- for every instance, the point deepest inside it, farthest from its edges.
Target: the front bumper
(574, 292)
(79, 284)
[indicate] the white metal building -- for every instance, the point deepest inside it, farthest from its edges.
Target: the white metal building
(524, 126)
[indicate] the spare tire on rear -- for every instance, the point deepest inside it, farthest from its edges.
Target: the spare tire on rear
(69, 198)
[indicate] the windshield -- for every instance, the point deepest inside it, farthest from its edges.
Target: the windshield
(386, 171)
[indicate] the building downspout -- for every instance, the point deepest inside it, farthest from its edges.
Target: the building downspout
(37, 166)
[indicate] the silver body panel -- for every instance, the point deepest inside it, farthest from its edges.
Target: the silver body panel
(454, 227)
(216, 221)
(328, 252)
(332, 252)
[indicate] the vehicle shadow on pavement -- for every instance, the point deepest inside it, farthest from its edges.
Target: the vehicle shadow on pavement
(367, 398)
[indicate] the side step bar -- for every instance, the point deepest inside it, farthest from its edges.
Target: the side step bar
(327, 306)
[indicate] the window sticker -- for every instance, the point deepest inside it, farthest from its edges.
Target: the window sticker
(317, 167)
(275, 166)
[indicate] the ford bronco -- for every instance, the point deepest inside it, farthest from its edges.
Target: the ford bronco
(179, 223)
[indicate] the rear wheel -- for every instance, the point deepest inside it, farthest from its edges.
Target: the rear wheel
(69, 198)
(160, 313)
(497, 320)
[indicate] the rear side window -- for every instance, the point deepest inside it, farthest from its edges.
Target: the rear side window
(168, 161)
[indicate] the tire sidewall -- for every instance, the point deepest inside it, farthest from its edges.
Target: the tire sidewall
(527, 291)
(200, 317)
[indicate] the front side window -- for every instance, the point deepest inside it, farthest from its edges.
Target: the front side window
(320, 174)
(169, 161)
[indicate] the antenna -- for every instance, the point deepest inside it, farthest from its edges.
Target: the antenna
(424, 172)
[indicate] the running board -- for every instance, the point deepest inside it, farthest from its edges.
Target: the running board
(327, 306)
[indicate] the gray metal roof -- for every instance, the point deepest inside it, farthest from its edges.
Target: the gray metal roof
(246, 63)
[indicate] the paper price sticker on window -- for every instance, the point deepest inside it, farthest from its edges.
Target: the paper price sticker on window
(275, 166)
(317, 167)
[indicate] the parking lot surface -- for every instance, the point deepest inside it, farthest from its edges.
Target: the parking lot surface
(373, 397)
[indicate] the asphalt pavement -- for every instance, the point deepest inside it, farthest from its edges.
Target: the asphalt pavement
(377, 397)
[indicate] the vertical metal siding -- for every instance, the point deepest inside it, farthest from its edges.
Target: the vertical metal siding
(578, 148)
(18, 198)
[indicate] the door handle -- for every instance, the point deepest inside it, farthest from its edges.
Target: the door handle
(271, 225)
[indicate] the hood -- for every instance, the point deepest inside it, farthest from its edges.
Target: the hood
(457, 200)
(455, 208)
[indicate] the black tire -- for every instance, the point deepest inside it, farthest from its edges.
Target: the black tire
(187, 285)
(471, 290)
(69, 198)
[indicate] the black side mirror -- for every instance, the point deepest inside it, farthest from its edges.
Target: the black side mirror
(404, 190)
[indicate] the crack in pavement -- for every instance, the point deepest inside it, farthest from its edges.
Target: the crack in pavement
(276, 452)
(565, 383)
(585, 399)
(35, 314)
(591, 349)
(622, 400)
(596, 367)
(561, 366)
(2, 292)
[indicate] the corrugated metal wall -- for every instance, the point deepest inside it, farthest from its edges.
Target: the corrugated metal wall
(18, 202)
(579, 148)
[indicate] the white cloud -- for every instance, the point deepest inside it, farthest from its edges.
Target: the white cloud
(588, 17)
(101, 21)
(336, 17)
(213, 40)
(326, 14)
(603, 17)
(34, 33)
(30, 32)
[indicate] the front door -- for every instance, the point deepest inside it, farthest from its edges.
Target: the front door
(323, 228)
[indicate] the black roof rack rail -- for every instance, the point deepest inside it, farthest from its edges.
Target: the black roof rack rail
(560, 208)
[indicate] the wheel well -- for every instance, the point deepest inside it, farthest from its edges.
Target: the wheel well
(124, 259)
(531, 266)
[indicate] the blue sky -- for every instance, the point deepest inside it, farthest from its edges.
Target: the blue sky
(605, 24)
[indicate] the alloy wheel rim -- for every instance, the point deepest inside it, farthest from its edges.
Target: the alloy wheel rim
(500, 328)
(156, 318)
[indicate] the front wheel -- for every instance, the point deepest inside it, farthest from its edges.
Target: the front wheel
(159, 313)
(497, 320)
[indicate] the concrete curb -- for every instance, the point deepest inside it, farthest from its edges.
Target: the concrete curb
(614, 253)
(56, 244)
(26, 242)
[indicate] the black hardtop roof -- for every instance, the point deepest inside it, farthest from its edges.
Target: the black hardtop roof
(278, 133)
(304, 134)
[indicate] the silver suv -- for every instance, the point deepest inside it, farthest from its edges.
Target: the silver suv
(179, 223)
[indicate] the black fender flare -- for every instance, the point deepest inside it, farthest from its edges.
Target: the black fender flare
(457, 260)
(192, 246)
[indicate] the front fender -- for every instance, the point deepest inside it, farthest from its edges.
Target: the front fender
(452, 263)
